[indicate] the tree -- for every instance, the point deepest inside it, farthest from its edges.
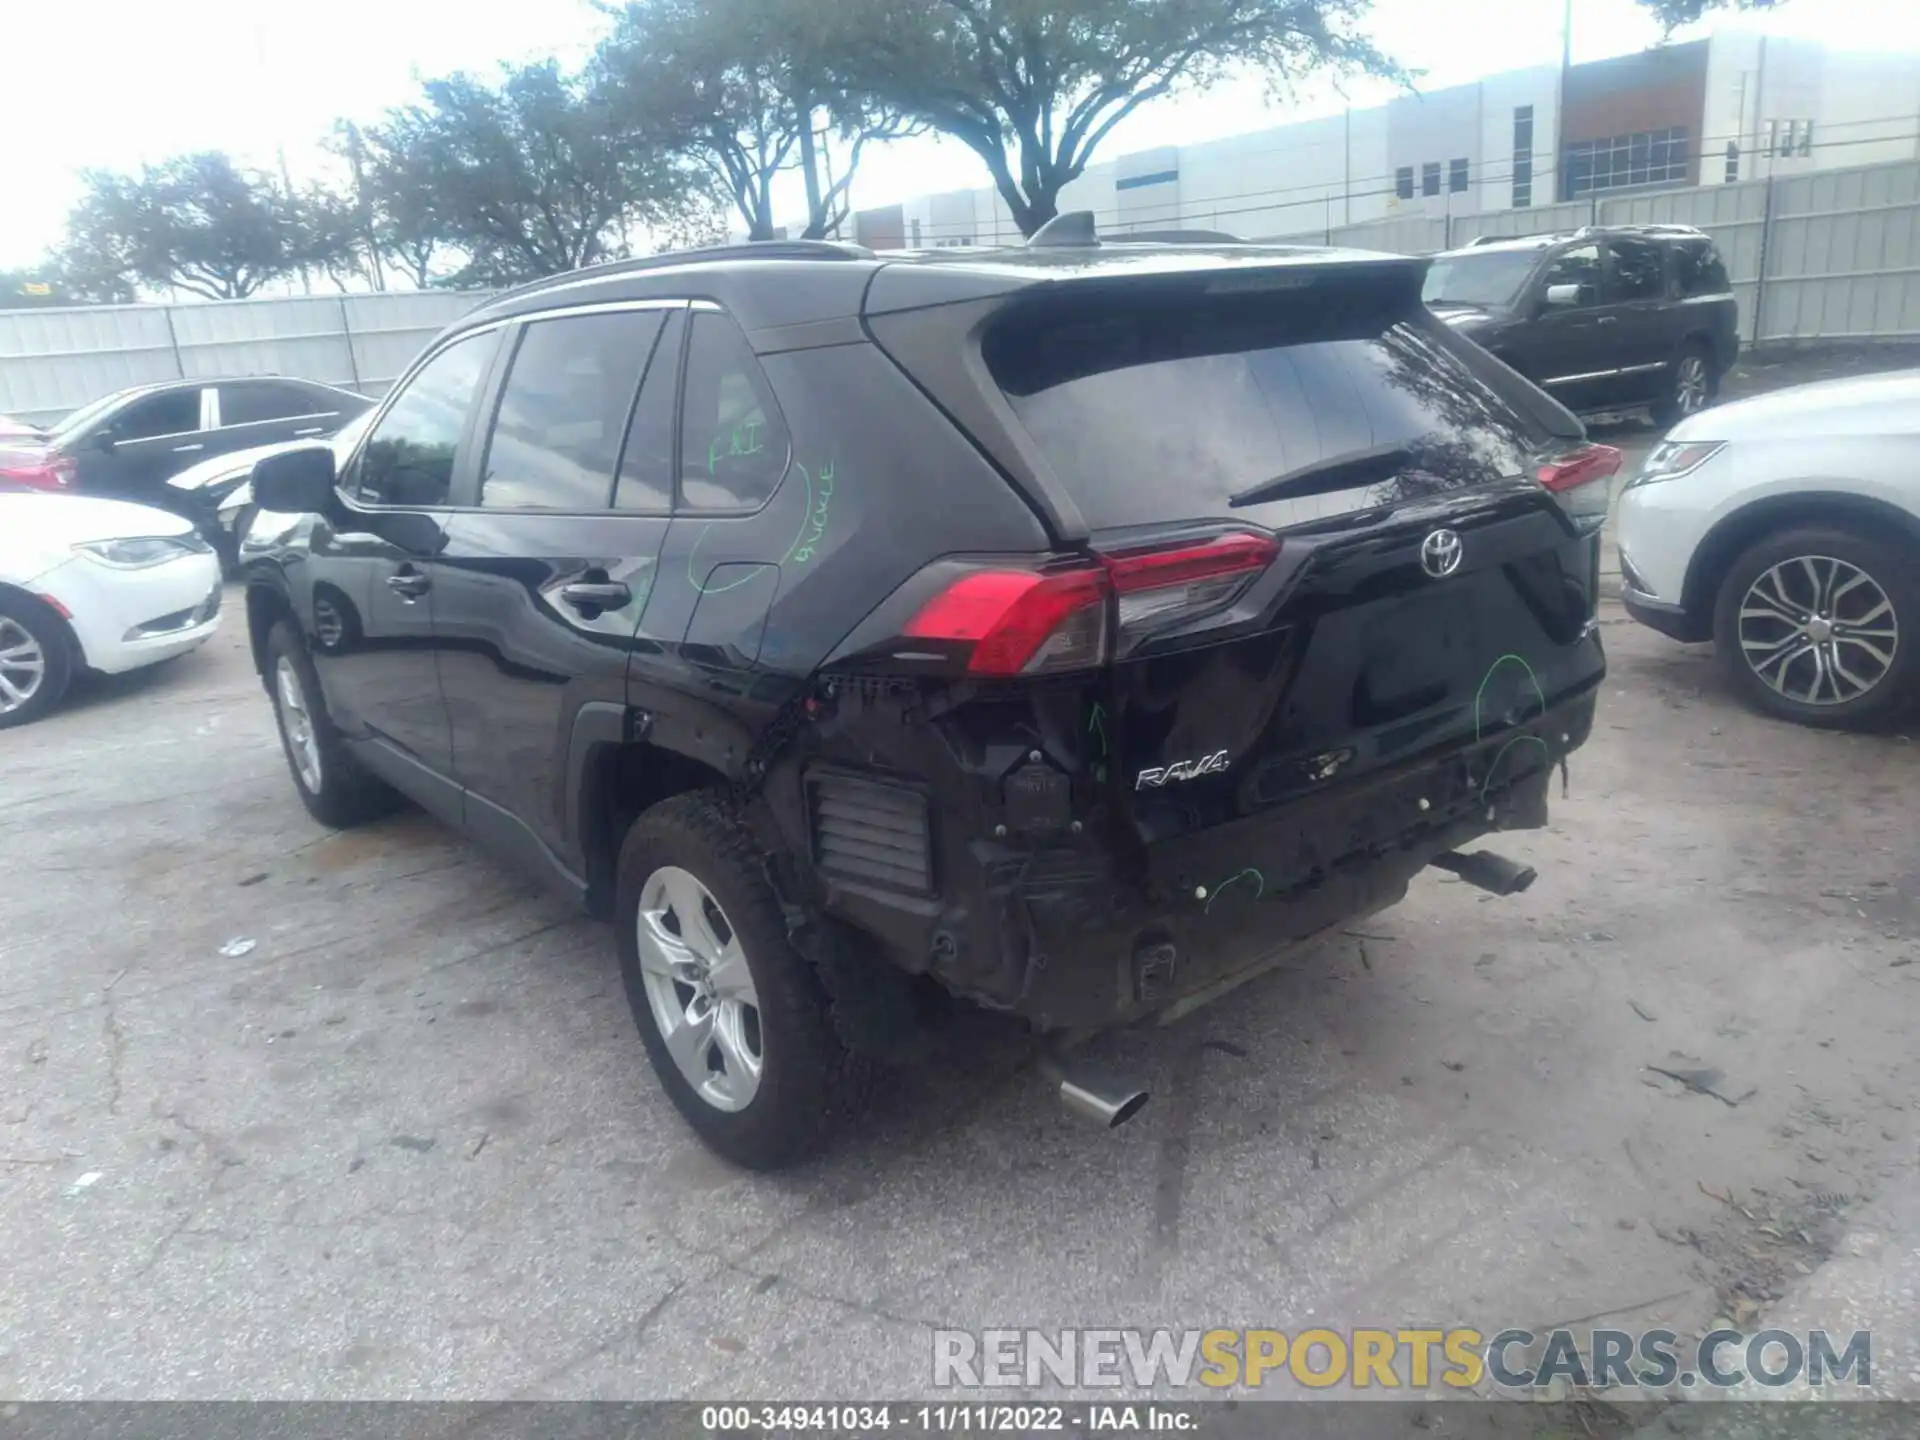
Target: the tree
(1672, 14)
(739, 86)
(1034, 86)
(530, 177)
(330, 236)
(196, 223)
(396, 184)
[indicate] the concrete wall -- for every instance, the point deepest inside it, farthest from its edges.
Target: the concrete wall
(1500, 96)
(1299, 178)
(1426, 134)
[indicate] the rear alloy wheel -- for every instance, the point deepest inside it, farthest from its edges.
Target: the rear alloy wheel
(700, 989)
(733, 1017)
(1811, 622)
(35, 661)
(1691, 387)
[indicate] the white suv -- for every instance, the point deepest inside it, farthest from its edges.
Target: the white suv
(1786, 529)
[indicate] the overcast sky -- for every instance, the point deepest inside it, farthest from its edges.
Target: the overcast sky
(127, 81)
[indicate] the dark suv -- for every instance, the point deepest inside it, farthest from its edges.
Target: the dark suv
(1602, 319)
(1071, 629)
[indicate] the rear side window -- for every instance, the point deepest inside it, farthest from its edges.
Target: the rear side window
(1639, 270)
(177, 412)
(1167, 408)
(249, 404)
(1702, 272)
(556, 435)
(733, 443)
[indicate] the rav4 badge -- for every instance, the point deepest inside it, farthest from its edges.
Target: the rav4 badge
(1153, 779)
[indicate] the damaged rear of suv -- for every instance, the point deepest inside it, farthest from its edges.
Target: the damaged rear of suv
(1320, 612)
(1198, 598)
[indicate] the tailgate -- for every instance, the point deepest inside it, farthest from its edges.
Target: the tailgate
(1360, 663)
(1427, 591)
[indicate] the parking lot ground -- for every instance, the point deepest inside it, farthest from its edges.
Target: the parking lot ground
(405, 1143)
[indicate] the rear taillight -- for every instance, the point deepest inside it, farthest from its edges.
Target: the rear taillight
(1581, 467)
(55, 473)
(1030, 622)
(1577, 480)
(1020, 622)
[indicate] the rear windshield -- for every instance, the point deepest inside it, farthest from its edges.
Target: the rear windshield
(1165, 408)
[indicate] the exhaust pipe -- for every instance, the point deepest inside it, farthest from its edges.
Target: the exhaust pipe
(1487, 870)
(1091, 1093)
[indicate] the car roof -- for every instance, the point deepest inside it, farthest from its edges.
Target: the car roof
(1508, 245)
(200, 382)
(1682, 234)
(778, 286)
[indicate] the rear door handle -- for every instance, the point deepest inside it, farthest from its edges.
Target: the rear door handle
(409, 584)
(1609, 320)
(187, 449)
(596, 595)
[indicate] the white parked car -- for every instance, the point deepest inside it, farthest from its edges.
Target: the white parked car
(1786, 529)
(99, 584)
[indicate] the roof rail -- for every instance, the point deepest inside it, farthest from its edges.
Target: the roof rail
(1503, 239)
(746, 250)
(1649, 229)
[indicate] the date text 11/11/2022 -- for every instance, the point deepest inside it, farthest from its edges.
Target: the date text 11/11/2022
(944, 1419)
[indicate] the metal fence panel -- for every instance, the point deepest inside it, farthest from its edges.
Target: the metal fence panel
(1400, 235)
(1843, 256)
(264, 337)
(53, 361)
(1537, 220)
(388, 329)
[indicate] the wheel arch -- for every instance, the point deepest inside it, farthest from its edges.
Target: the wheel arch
(267, 606)
(40, 606)
(1735, 533)
(618, 767)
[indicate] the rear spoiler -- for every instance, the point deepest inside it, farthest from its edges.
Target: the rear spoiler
(1513, 387)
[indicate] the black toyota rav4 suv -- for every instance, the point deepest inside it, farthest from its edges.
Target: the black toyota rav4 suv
(1071, 629)
(1605, 318)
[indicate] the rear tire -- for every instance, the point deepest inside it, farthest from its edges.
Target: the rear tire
(1691, 384)
(336, 788)
(1821, 626)
(753, 1063)
(36, 660)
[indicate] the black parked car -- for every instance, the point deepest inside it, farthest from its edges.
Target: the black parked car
(1602, 319)
(128, 444)
(1072, 628)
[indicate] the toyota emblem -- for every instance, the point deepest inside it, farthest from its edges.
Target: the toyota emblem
(1440, 553)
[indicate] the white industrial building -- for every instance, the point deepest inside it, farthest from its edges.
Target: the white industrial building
(1735, 106)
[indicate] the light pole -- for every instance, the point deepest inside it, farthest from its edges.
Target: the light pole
(1560, 109)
